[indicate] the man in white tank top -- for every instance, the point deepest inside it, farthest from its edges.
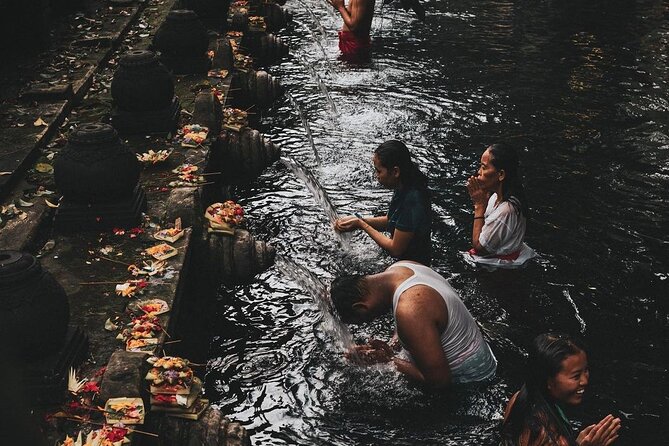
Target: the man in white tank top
(440, 341)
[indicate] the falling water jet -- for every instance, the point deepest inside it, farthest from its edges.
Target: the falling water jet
(307, 128)
(325, 60)
(322, 87)
(314, 18)
(325, 91)
(304, 174)
(321, 296)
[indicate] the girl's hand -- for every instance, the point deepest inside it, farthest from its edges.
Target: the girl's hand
(601, 434)
(337, 3)
(347, 224)
(478, 195)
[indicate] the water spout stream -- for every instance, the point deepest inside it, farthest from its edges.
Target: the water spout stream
(307, 128)
(321, 296)
(320, 195)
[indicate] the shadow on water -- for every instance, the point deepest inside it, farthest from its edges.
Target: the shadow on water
(582, 89)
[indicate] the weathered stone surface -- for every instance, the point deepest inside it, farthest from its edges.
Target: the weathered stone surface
(124, 375)
(184, 202)
(236, 435)
(223, 57)
(212, 429)
(207, 111)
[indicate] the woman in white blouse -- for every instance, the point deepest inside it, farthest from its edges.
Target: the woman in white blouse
(500, 210)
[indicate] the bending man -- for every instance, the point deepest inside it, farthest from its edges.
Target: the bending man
(354, 42)
(438, 340)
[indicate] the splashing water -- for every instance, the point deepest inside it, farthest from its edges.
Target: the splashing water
(577, 313)
(320, 293)
(304, 174)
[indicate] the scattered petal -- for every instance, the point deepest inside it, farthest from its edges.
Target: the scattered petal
(44, 168)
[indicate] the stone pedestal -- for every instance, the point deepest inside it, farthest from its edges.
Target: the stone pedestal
(143, 95)
(98, 176)
(182, 41)
(34, 309)
(213, 13)
(45, 380)
(125, 213)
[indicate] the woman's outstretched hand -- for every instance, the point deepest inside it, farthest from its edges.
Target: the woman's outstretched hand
(478, 195)
(601, 434)
(347, 224)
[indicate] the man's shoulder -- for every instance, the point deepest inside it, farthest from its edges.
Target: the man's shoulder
(419, 300)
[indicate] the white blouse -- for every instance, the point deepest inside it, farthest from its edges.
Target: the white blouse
(502, 234)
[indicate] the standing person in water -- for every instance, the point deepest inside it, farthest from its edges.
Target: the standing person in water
(500, 210)
(409, 215)
(354, 41)
(438, 340)
(557, 376)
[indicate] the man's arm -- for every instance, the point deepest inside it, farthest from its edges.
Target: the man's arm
(419, 316)
(354, 18)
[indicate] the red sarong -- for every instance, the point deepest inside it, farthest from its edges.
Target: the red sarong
(352, 46)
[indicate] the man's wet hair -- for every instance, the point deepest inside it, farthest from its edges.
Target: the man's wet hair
(346, 291)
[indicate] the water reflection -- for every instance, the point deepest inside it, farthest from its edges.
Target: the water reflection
(582, 88)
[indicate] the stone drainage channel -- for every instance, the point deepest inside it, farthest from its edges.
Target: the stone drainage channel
(84, 205)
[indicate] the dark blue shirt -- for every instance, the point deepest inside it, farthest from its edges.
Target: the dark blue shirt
(410, 212)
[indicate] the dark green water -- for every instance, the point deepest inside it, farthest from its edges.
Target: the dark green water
(583, 89)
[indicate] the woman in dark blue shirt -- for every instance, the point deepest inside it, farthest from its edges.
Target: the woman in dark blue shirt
(409, 216)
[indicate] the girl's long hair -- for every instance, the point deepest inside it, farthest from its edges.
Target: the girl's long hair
(534, 410)
(505, 157)
(394, 153)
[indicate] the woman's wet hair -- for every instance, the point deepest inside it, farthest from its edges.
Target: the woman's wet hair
(394, 153)
(505, 157)
(346, 291)
(534, 409)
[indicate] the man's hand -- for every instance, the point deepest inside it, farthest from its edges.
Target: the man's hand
(601, 434)
(374, 352)
(337, 3)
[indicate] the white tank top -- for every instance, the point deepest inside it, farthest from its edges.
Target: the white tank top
(467, 353)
